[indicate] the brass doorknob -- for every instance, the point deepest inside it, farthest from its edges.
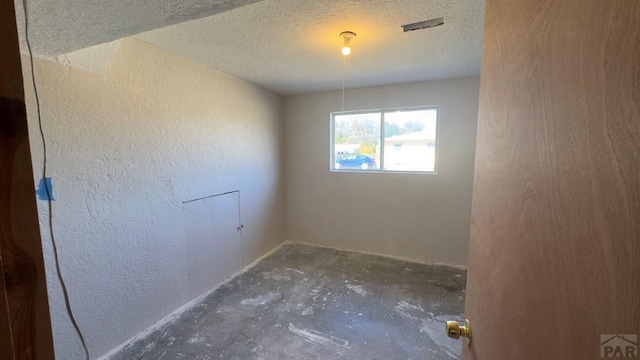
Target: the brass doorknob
(454, 330)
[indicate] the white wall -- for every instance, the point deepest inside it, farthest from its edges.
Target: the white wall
(125, 149)
(424, 217)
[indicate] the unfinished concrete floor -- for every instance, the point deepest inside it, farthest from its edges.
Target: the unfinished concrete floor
(307, 302)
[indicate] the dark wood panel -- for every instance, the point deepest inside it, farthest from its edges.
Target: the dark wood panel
(6, 343)
(555, 244)
(23, 277)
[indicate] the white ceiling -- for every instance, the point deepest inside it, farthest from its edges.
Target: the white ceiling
(290, 46)
(62, 26)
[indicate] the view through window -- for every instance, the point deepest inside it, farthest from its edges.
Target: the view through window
(385, 140)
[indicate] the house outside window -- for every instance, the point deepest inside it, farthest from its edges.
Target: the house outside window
(390, 140)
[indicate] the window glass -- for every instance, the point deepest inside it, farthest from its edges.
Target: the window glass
(357, 141)
(410, 140)
(399, 140)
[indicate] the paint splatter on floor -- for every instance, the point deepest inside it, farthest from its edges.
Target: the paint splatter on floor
(358, 289)
(318, 337)
(262, 299)
(411, 311)
(306, 302)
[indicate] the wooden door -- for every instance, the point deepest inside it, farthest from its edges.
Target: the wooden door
(25, 328)
(555, 245)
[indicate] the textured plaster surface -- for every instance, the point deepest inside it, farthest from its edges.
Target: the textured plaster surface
(288, 46)
(307, 302)
(293, 46)
(125, 150)
(95, 59)
(419, 216)
(63, 26)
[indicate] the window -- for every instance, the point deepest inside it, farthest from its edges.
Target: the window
(395, 140)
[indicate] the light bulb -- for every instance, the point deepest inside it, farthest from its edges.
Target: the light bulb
(346, 37)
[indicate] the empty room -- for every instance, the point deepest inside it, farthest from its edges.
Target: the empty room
(330, 179)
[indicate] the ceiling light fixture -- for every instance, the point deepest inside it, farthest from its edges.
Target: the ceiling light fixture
(347, 36)
(346, 50)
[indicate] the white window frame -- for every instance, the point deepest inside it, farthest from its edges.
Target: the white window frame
(332, 129)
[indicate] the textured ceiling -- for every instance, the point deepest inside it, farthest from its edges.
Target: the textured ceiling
(293, 46)
(62, 26)
(289, 46)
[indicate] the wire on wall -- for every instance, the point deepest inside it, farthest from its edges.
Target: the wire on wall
(63, 285)
(240, 224)
(240, 227)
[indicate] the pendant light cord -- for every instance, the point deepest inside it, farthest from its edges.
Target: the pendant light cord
(63, 285)
(344, 66)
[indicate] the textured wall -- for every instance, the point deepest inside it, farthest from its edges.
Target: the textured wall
(125, 149)
(424, 217)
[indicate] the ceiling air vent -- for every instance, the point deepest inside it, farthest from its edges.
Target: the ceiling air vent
(423, 24)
